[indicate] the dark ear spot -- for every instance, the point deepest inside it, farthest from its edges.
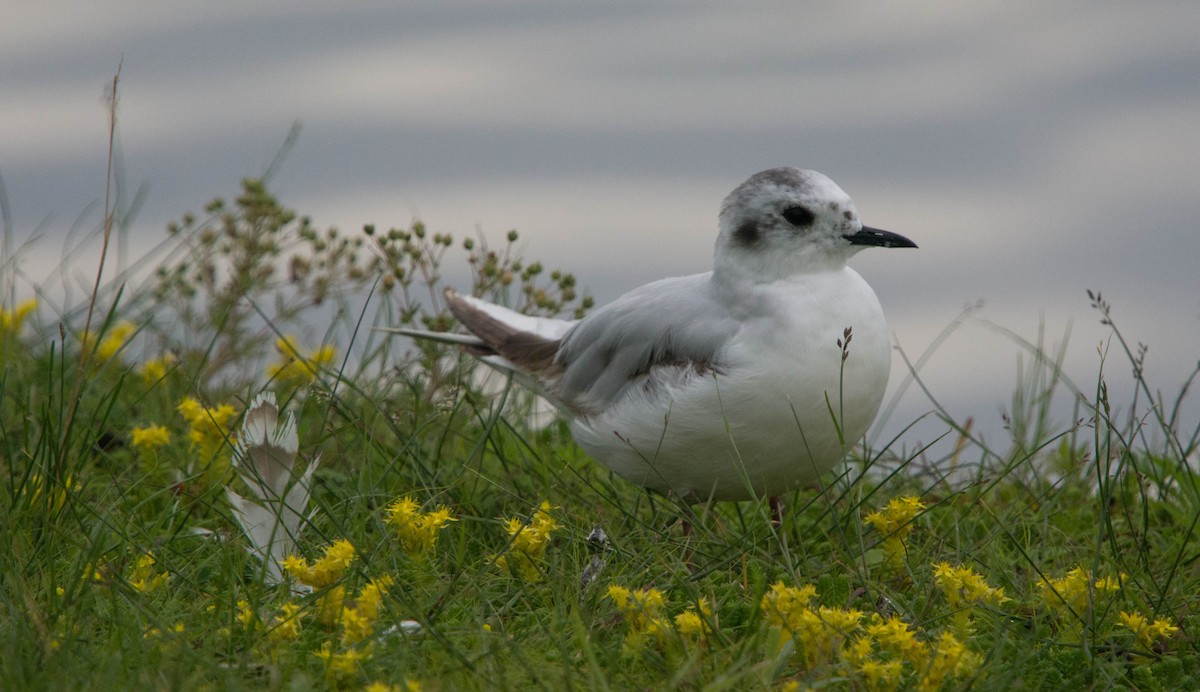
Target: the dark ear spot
(747, 233)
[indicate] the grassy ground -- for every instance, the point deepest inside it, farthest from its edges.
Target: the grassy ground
(1067, 560)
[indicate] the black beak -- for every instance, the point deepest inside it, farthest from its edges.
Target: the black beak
(879, 238)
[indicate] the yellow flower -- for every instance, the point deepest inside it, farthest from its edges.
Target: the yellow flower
(295, 566)
(895, 522)
(340, 665)
(143, 577)
(190, 408)
(323, 574)
(964, 587)
(1147, 633)
(1073, 592)
(154, 370)
(417, 531)
(859, 650)
(286, 626)
(693, 623)
(820, 633)
(333, 564)
(881, 675)
(325, 571)
(637, 606)
(839, 620)
(896, 518)
(784, 605)
(112, 342)
(358, 623)
(643, 613)
(370, 599)
(246, 616)
(894, 636)
(408, 686)
(330, 605)
(951, 659)
(209, 430)
(10, 320)
(689, 623)
(293, 368)
(527, 543)
(150, 438)
(356, 626)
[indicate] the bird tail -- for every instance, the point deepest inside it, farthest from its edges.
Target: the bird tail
(520, 345)
(529, 343)
(468, 341)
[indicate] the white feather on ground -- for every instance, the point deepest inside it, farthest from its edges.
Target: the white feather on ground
(265, 460)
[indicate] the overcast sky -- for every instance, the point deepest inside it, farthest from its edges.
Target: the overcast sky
(1033, 150)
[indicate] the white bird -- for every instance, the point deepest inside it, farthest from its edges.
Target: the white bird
(734, 384)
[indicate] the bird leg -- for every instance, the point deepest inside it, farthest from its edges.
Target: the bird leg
(776, 503)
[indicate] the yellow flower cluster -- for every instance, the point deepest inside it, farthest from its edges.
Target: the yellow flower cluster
(143, 577)
(1070, 596)
(340, 665)
(358, 623)
(417, 531)
(322, 575)
(881, 654)
(209, 428)
(896, 517)
(324, 572)
(150, 438)
(408, 686)
(294, 368)
(644, 614)
(964, 587)
(693, 623)
(154, 370)
(820, 632)
(949, 660)
(112, 343)
(246, 616)
(11, 320)
(895, 522)
(286, 624)
(527, 543)
(1147, 633)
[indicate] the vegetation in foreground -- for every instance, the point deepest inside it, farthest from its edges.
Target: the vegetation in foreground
(453, 537)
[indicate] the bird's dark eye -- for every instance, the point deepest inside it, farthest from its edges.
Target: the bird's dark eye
(800, 217)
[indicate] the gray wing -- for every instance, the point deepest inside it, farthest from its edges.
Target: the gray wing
(672, 322)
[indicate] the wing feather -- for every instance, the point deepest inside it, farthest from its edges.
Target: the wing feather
(673, 323)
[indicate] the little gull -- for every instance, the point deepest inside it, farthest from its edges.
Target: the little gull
(743, 382)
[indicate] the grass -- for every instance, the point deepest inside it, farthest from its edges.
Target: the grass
(1066, 559)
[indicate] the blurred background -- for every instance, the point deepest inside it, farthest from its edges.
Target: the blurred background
(1033, 150)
